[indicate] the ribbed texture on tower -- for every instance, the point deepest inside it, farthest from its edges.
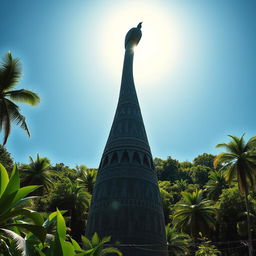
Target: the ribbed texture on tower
(126, 203)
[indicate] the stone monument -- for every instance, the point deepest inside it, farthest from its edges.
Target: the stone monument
(126, 203)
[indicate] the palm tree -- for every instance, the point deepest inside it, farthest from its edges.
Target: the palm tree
(177, 242)
(79, 201)
(10, 73)
(38, 173)
(87, 179)
(71, 196)
(216, 184)
(193, 214)
(239, 162)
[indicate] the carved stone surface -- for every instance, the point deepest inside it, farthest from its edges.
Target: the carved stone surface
(126, 202)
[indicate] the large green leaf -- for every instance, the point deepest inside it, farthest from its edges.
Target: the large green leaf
(14, 182)
(61, 226)
(24, 191)
(67, 248)
(4, 179)
(35, 216)
(6, 203)
(57, 245)
(54, 215)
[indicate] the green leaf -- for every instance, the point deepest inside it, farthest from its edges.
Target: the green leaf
(4, 179)
(61, 226)
(95, 239)
(22, 192)
(24, 96)
(14, 182)
(35, 216)
(9, 201)
(6, 203)
(106, 239)
(67, 248)
(75, 244)
(54, 214)
(86, 242)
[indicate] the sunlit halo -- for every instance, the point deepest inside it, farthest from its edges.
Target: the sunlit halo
(159, 49)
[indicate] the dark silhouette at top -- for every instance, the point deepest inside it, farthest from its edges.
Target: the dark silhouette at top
(133, 37)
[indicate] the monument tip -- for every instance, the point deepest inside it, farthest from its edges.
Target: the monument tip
(139, 25)
(133, 37)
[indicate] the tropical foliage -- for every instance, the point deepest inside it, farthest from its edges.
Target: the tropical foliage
(97, 245)
(206, 249)
(24, 231)
(178, 243)
(87, 178)
(10, 74)
(13, 215)
(194, 214)
(38, 173)
(216, 184)
(240, 164)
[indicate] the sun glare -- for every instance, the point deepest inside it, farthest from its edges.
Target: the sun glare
(159, 49)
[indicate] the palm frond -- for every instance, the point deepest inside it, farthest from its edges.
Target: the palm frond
(24, 96)
(251, 144)
(231, 173)
(10, 72)
(224, 158)
(15, 116)
(5, 122)
(18, 240)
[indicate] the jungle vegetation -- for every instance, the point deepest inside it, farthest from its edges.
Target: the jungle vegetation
(205, 211)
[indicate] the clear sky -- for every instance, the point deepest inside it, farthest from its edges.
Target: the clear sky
(194, 73)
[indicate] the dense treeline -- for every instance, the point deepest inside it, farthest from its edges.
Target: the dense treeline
(203, 212)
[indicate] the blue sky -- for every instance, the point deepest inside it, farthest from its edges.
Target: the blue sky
(206, 92)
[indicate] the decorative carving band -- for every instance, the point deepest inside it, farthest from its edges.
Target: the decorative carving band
(131, 203)
(119, 172)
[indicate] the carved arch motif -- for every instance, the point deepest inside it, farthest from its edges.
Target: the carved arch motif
(146, 161)
(136, 158)
(105, 162)
(114, 159)
(125, 157)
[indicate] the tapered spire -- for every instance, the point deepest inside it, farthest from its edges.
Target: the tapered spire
(126, 202)
(128, 128)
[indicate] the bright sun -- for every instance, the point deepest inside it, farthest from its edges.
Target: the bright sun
(159, 48)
